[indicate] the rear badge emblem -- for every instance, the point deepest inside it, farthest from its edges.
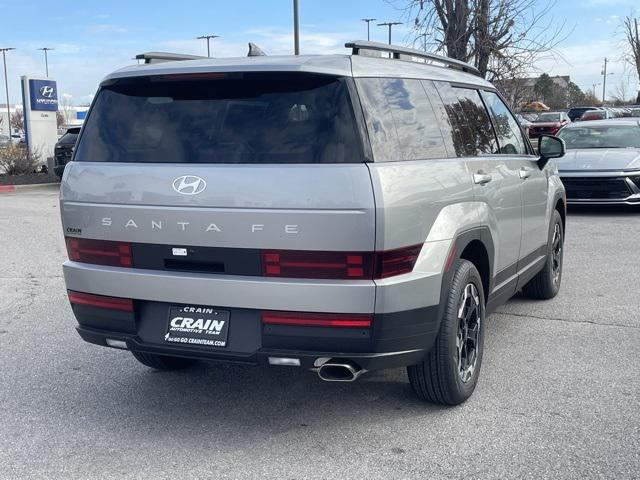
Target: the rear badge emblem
(189, 185)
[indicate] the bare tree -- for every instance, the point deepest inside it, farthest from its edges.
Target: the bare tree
(65, 105)
(620, 94)
(17, 121)
(502, 38)
(632, 39)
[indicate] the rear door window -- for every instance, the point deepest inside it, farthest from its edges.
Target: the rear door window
(510, 138)
(473, 133)
(401, 120)
(223, 118)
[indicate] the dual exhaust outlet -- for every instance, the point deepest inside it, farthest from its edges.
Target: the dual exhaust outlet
(339, 371)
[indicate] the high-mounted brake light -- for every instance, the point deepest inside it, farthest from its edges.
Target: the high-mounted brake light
(339, 265)
(99, 252)
(305, 319)
(100, 301)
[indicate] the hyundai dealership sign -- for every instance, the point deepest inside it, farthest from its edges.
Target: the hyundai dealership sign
(44, 95)
(40, 106)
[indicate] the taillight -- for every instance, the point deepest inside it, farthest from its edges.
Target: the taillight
(100, 301)
(99, 252)
(305, 319)
(339, 265)
(311, 264)
(396, 262)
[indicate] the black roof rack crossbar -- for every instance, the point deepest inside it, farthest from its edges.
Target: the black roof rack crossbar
(398, 52)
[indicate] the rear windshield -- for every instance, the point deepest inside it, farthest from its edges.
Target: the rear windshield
(70, 137)
(614, 136)
(548, 117)
(222, 118)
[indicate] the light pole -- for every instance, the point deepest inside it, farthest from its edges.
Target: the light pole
(6, 83)
(604, 80)
(424, 41)
(296, 29)
(389, 24)
(368, 20)
(208, 37)
(46, 60)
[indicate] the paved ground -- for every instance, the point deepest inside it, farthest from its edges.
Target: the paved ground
(559, 395)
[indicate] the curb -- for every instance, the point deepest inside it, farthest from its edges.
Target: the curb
(30, 186)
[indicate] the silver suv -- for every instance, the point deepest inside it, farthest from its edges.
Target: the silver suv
(338, 213)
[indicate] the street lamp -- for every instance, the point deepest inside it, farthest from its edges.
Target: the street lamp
(389, 24)
(368, 20)
(46, 60)
(208, 37)
(6, 83)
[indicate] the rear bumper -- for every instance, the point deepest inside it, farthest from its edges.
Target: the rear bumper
(395, 340)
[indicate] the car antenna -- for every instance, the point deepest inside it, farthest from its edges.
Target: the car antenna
(255, 51)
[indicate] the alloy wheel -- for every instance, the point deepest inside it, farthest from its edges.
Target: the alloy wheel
(469, 323)
(556, 253)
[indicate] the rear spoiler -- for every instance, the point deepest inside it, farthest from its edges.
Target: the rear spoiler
(158, 57)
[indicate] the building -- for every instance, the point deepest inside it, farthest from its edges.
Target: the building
(519, 91)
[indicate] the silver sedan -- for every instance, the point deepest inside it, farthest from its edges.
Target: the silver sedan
(602, 163)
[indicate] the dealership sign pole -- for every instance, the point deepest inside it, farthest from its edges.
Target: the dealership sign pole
(40, 107)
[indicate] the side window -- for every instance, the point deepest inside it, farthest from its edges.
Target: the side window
(473, 133)
(509, 135)
(382, 130)
(404, 104)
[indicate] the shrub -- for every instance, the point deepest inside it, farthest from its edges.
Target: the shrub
(16, 160)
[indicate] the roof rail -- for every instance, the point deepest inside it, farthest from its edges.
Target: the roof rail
(157, 57)
(404, 53)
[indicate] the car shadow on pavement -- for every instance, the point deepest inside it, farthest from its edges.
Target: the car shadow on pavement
(227, 396)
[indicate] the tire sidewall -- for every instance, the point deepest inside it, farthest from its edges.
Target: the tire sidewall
(465, 273)
(556, 219)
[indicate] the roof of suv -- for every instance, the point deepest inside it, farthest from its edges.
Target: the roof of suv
(339, 65)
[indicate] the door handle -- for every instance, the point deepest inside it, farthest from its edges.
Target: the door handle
(481, 178)
(525, 173)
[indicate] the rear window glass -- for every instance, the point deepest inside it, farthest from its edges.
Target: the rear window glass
(222, 118)
(400, 119)
(473, 132)
(69, 137)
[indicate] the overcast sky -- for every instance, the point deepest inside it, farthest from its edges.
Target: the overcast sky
(92, 38)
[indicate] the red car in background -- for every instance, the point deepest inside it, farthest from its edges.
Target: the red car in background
(548, 123)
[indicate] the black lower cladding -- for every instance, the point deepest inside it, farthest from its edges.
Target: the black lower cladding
(412, 332)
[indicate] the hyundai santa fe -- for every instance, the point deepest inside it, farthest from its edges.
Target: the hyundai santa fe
(336, 213)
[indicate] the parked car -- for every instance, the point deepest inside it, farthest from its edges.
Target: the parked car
(602, 114)
(602, 163)
(548, 123)
(335, 213)
(64, 149)
(576, 112)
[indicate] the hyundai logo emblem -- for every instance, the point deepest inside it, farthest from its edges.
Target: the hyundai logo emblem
(47, 91)
(189, 185)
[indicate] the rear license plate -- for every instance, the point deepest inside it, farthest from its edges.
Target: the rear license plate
(194, 325)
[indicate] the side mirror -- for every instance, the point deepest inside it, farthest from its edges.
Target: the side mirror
(549, 147)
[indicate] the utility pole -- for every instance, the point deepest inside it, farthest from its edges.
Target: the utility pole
(296, 29)
(208, 37)
(46, 60)
(368, 20)
(389, 24)
(604, 81)
(424, 40)
(6, 84)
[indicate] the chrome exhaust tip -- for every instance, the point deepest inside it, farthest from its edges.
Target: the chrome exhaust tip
(339, 371)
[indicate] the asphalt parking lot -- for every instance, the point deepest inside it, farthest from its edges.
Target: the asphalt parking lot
(558, 397)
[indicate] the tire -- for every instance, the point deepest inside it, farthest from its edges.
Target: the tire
(546, 284)
(444, 376)
(163, 362)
